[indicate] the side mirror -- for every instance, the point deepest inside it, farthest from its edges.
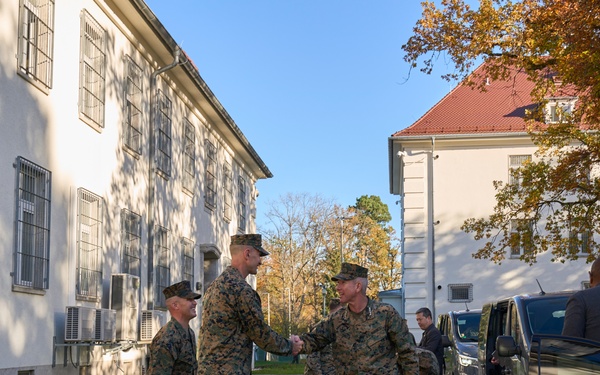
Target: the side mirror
(445, 341)
(507, 347)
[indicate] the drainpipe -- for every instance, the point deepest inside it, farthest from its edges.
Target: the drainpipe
(151, 197)
(433, 223)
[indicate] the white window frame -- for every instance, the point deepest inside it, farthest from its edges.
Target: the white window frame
(163, 136)
(36, 42)
(242, 204)
(32, 225)
(187, 260)
(515, 162)
(131, 242)
(516, 253)
(163, 264)
(92, 74)
(189, 157)
(559, 109)
(133, 118)
(227, 191)
(210, 189)
(90, 234)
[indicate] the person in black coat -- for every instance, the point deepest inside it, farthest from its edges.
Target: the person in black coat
(582, 317)
(432, 338)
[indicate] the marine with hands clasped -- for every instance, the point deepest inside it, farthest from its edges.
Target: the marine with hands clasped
(367, 336)
(232, 317)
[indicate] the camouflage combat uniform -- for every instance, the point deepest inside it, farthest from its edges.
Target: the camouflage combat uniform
(232, 319)
(320, 363)
(374, 341)
(428, 363)
(173, 351)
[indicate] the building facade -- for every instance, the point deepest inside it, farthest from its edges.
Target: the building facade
(122, 175)
(443, 167)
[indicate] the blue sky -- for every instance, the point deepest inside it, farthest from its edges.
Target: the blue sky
(317, 86)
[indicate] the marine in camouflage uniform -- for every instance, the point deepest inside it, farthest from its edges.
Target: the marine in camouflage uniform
(373, 341)
(173, 348)
(428, 363)
(232, 319)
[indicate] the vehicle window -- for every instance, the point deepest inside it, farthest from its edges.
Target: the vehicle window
(515, 325)
(565, 355)
(546, 315)
(467, 326)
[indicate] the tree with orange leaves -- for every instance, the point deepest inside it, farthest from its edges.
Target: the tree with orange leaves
(559, 191)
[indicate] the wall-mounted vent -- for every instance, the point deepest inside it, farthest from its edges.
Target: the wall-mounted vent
(150, 324)
(80, 324)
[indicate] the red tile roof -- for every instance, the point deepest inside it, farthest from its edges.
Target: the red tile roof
(466, 110)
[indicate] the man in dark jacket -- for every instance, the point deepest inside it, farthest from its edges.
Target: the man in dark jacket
(432, 338)
(582, 317)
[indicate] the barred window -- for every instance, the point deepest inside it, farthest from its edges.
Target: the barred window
(36, 41)
(93, 72)
(163, 268)
(131, 247)
(132, 130)
(228, 191)
(242, 205)
(32, 230)
(460, 292)
(89, 244)
(211, 174)
(163, 137)
(189, 156)
(187, 255)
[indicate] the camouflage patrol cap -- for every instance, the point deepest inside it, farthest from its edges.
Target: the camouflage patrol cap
(181, 289)
(254, 240)
(351, 271)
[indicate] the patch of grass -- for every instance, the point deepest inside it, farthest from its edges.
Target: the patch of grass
(273, 367)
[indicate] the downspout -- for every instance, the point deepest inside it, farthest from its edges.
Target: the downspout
(433, 223)
(151, 197)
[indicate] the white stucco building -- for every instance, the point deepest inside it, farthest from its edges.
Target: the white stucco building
(442, 167)
(122, 174)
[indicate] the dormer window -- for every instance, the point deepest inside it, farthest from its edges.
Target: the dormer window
(559, 109)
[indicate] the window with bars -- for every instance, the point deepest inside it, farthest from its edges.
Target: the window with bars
(131, 246)
(579, 243)
(210, 196)
(36, 41)
(32, 237)
(187, 255)
(460, 292)
(521, 236)
(132, 130)
(92, 72)
(163, 136)
(228, 191)
(163, 268)
(242, 205)
(189, 156)
(515, 162)
(89, 244)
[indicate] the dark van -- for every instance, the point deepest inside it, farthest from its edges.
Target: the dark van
(459, 331)
(512, 322)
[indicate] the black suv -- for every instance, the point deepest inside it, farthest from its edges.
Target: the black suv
(459, 331)
(510, 325)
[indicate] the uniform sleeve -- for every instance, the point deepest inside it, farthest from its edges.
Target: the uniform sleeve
(400, 336)
(574, 318)
(322, 335)
(256, 328)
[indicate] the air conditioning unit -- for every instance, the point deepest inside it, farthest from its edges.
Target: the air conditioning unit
(150, 324)
(80, 324)
(106, 325)
(124, 298)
